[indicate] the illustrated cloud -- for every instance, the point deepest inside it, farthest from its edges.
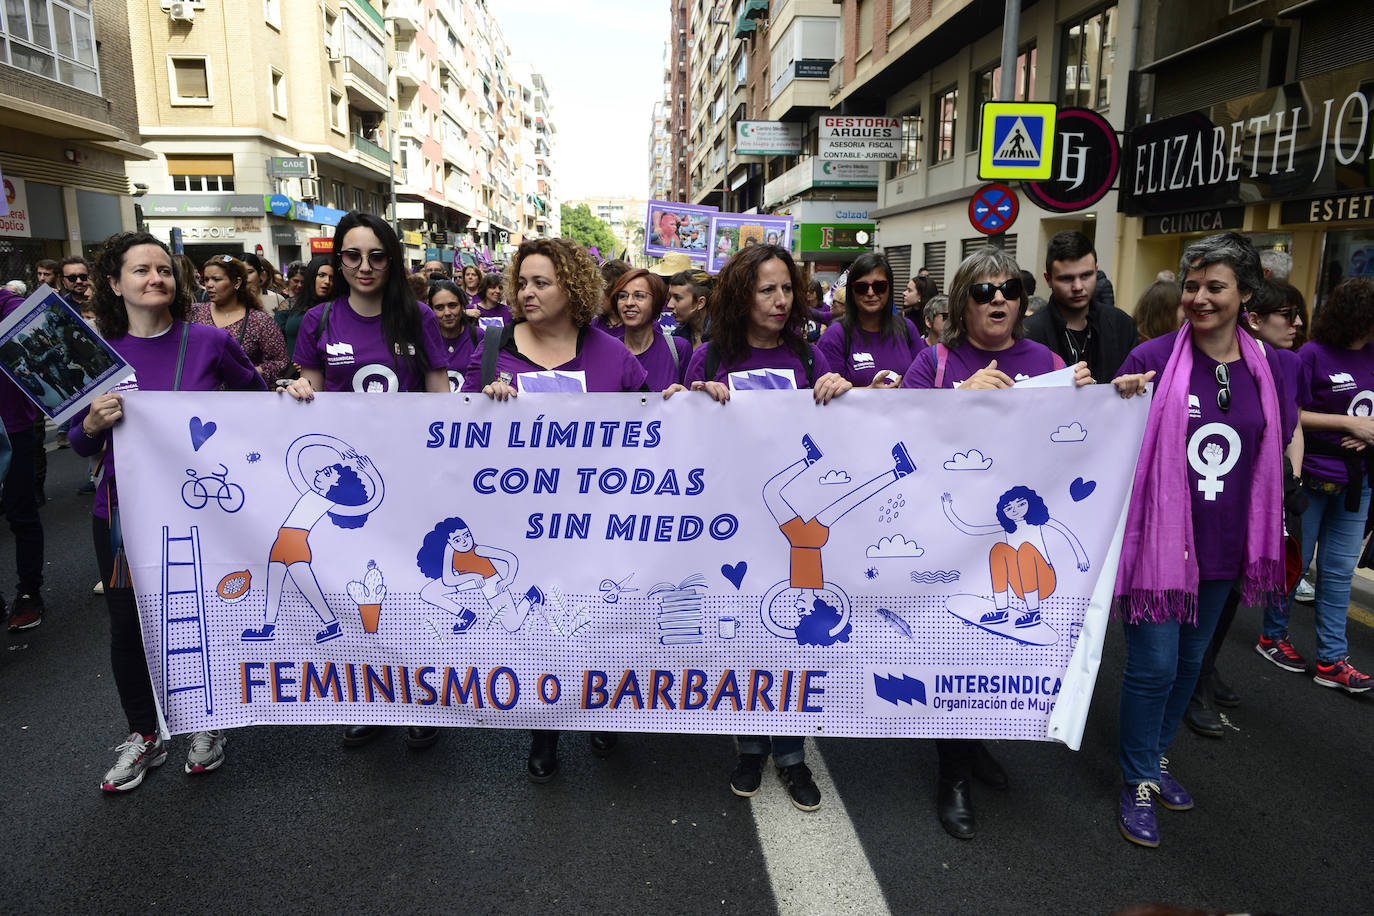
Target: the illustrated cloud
(1074, 432)
(895, 546)
(835, 477)
(972, 460)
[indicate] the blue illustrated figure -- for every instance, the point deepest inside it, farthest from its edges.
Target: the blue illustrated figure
(452, 560)
(822, 622)
(1019, 562)
(336, 484)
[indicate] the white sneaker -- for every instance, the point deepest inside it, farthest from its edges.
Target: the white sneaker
(136, 756)
(206, 752)
(1306, 592)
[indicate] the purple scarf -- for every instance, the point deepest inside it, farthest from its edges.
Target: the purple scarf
(1157, 579)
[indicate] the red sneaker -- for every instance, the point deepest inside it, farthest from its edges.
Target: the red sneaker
(1341, 674)
(1281, 652)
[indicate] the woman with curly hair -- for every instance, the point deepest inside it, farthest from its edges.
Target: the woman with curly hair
(235, 307)
(1337, 399)
(143, 315)
(1158, 311)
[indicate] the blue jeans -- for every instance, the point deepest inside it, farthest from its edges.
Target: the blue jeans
(786, 750)
(1162, 663)
(1335, 535)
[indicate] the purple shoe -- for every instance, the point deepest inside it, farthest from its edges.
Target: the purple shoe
(1137, 816)
(1170, 794)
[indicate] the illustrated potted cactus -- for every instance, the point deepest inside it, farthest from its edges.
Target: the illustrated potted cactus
(368, 595)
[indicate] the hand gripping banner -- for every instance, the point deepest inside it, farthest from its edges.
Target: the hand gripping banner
(896, 563)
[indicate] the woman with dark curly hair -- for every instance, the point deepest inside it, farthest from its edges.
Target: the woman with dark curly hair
(1157, 311)
(235, 307)
(143, 315)
(1337, 400)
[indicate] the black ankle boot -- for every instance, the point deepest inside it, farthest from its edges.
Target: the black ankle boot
(543, 763)
(954, 803)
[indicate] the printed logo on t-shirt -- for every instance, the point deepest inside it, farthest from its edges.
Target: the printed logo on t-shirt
(1342, 381)
(1210, 460)
(862, 360)
(1021, 377)
(1361, 405)
(375, 379)
(339, 349)
(455, 380)
(1194, 407)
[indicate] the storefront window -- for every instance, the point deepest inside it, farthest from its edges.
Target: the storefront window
(1347, 253)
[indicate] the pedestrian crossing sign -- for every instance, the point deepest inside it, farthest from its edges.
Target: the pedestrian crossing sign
(1018, 140)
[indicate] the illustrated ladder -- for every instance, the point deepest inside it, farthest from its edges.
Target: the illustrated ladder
(183, 630)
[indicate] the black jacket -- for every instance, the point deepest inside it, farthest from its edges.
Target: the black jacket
(1113, 336)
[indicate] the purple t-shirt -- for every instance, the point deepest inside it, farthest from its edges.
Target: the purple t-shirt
(1290, 366)
(1022, 360)
(459, 352)
(16, 411)
(868, 353)
(355, 356)
(1221, 449)
(501, 311)
(606, 362)
(213, 360)
(757, 358)
(658, 360)
(1333, 380)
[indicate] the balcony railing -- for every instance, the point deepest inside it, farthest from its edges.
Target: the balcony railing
(364, 145)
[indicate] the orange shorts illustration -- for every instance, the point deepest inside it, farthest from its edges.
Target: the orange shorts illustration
(807, 539)
(290, 547)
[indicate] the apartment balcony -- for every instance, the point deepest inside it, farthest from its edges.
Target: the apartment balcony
(406, 16)
(364, 89)
(368, 148)
(408, 71)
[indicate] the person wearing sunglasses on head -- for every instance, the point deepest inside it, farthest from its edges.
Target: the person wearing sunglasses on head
(868, 343)
(373, 337)
(982, 346)
(1206, 510)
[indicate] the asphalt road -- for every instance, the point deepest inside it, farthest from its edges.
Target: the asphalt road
(295, 822)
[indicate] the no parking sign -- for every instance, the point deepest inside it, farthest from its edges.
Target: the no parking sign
(993, 209)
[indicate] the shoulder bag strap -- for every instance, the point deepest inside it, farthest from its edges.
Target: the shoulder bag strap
(941, 358)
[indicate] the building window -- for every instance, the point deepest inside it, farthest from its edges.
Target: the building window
(340, 198)
(189, 78)
(271, 13)
(934, 262)
(52, 39)
(987, 83)
(358, 200)
(864, 26)
(946, 113)
(278, 94)
(911, 147)
(337, 113)
(201, 173)
(1089, 45)
(901, 9)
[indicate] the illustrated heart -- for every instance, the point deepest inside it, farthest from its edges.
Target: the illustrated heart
(735, 573)
(1081, 489)
(201, 432)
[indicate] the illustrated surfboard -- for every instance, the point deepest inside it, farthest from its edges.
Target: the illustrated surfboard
(971, 608)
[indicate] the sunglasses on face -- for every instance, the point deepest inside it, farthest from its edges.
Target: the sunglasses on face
(352, 258)
(1224, 391)
(983, 293)
(76, 278)
(877, 287)
(1289, 314)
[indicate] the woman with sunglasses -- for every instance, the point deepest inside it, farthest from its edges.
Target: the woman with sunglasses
(868, 343)
(234, 307)
(982, 346)
(1206, 511)
(373, 337)
(638, 298)
(1337, 401)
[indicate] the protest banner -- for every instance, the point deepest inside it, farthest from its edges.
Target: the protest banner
(731, 232)
(57, 360)
(671, 227)
(919, 563)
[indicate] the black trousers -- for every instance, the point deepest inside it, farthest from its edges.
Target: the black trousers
(127, 660)
(20, 494)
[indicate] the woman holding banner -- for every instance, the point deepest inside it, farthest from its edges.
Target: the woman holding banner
(638, 298)
(145, 317)
(1206, 510)
(554, 288)
(868, 344)
(983, 346)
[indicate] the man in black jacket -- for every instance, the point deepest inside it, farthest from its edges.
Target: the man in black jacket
(1077, 325)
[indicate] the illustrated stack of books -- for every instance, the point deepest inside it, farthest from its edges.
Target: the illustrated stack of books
(680, 611)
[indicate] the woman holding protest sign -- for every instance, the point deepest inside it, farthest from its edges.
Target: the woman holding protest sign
(1206, 510)
(374, 337)
(638, 298)
(868, 344)
(142, 314)
(554, 288)
(234, 307)
(983, 346)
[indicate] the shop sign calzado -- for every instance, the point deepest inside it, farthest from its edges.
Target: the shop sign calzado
(1296, 141)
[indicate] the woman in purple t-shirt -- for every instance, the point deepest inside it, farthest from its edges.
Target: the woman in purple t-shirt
(1336, 393)
(471, 278)
(1206, 511)
(460, 332)
(487, 307)
(867, 343)
(142, 314)
(235, 307)
(638, 298)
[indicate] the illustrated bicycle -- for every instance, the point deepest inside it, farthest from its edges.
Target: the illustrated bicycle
(197, 492)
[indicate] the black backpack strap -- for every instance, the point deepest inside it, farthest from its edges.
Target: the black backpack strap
(323, 330)
(712, 360)
(475, 334)
(491, 349)
(809, 363)
(181, 353)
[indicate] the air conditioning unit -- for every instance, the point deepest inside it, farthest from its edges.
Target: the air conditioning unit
(181, 11)
(333, 52)
(310, 189)
(310, 165)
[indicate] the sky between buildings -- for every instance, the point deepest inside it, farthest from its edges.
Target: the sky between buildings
(604, 64)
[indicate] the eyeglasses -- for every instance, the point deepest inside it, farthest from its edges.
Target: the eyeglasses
(877, 287)
(1224, 392)
(1289, 314)
(76, 278)
(983, 293)
(638, 296)
(352, 258)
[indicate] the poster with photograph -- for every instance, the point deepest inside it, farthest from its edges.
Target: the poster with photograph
(55, 358)
(731, 232)
(672, 227)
